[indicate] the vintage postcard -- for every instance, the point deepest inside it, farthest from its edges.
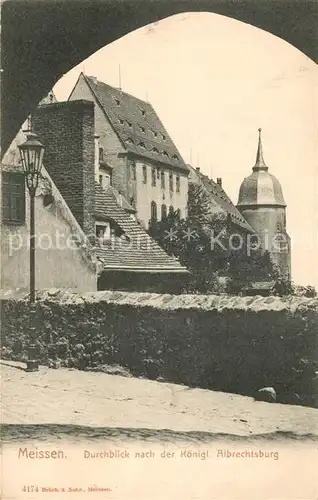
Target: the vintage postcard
(159, 216)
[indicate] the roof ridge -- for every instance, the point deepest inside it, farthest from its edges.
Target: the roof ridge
(120, 108)
(118, 90)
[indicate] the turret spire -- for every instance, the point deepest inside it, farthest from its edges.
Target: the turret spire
(260, 163)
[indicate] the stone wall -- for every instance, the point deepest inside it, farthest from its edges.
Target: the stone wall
(233, 344)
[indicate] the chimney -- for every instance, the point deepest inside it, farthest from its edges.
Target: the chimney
(219, 181)
(67, 131)
(198, 169)
(96, 157)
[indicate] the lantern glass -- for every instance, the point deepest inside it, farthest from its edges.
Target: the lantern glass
(31, 152)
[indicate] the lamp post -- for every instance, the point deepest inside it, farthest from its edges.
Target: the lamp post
(31, 152)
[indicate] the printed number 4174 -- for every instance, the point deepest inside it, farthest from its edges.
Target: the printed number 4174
(30, 489)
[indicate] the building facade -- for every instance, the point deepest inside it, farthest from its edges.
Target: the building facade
(261, 203)
(61, 260)
(129, 259)
(141, 161)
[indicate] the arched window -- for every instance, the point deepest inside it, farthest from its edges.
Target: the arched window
(171, 211)
(163, 212)
(101, 154)
(153, 209)
(178, 213)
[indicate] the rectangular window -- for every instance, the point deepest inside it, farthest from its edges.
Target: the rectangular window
(103, 231)
(163, 185)
(13, 197)
(131, 166)
(153, 176)
(178, 183)
(171, 181)
(144, 174)
(107, 180)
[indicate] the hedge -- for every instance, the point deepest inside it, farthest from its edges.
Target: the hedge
(234, 345)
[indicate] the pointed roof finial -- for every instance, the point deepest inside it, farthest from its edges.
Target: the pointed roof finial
(260, 163)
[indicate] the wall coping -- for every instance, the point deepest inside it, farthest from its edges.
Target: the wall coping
(216, 303)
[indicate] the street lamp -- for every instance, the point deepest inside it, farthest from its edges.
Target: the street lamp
(31, 152)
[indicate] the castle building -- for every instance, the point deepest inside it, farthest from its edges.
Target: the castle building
(261, 203)
(128, 258)
(137, 156)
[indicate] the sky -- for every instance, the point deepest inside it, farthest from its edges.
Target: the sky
(213, 82)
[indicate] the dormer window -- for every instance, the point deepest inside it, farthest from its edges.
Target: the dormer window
(121, 121)
(142, 145)
(103, 231)
(143, 112)
(129, 140)
(142, 129)
(163, 136)
(117, 101)
(165, 153)
(155, 150)
(175, 157)
(129, 124)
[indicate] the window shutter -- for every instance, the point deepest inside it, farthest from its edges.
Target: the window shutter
(13, 196)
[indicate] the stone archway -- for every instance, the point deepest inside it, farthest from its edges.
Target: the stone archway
(42, 40)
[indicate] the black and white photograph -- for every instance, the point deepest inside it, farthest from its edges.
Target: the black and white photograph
(159, 237)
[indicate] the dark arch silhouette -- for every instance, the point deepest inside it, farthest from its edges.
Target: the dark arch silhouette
(43, 39)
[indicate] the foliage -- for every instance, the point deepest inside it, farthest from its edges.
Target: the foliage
(304, 291)
(246, 269)
(202, 243)
(200, 347)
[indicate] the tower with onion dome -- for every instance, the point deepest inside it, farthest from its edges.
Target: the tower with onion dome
(262, 204)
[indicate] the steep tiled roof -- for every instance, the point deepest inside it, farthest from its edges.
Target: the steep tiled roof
(121, 201)
(219, 198)
(137, 251)
(136, 124)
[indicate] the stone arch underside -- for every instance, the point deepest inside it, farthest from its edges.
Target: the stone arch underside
(43, 39)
